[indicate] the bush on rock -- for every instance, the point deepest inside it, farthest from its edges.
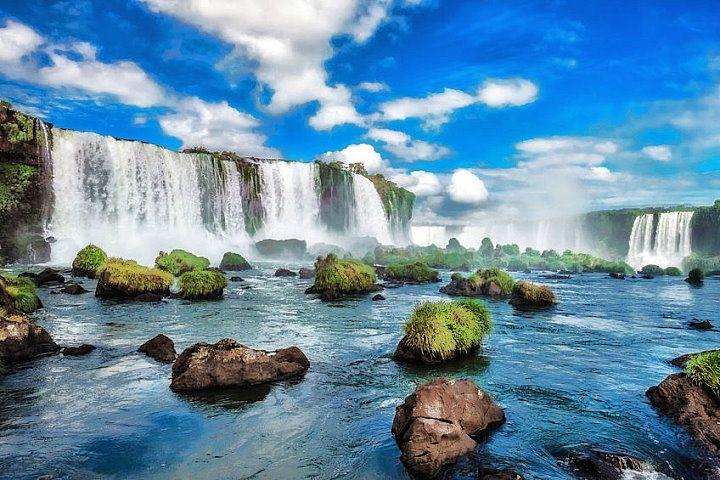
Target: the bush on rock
(704, 369)
(88, 261)
(234, 262)
(696, 276)
(179, 261)
(120, 278)
(18, 294)
(673, 272)
(654, 270)
(202, 285)
(529, 295)
(416, 272)
(492, 282)
(335, 278)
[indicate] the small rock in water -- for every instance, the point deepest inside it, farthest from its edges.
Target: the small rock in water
(647, 276)
(83, 349)
(49, 276)
(378, 297)
(307, 273)
(237, 279)
(601, 465)
(73, 289)
(161, 348)
(499, 474)
(700, 325)
(617, 276)
(284, 272)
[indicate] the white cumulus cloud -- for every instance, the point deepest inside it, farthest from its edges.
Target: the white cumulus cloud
(660, 153)
(16, 41)
(357, 153)
(466, 187)
(405, 147)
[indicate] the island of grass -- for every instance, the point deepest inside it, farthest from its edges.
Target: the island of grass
(88, 261)
(120, 278)
(202, 285)
(528, 295)
(335, 278)
(491, 282)
(704, 369)
(179, 261)
(415, 272)
(653, 270)
(441, 331)
(234, 262)
(673, 272)
(18, 294)
(696, 277)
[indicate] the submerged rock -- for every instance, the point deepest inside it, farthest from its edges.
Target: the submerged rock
(284, 272)
(700, 325)
(601, 465)
(21, 340)
(435, 424)
(307, 273)
(161, 348)
(73, 289)
(499, 474)
(527, 295)
(690, 405)
(237, 279)
(617, 276)
(230, 364)
(378, 297)
(83, 349)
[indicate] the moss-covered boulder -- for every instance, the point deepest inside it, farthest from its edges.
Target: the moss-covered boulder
(120, 278)
(442, 331)
(202, 285)
(654, 270)
(696, 277)
(673, 272)
(491, 282)
(179, 261)
(234, 262)
(528, 295)
(17, 294)
(416, 272)
(88, 261)
(335, 278)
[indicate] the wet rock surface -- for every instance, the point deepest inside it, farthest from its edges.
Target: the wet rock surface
(78, 351)
(307, 273)
(73, 289)
(284, 272)
(378, 297)
(602, 465)
(21, 340)
(161, 348)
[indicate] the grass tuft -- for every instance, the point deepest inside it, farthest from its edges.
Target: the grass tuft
(133, 279)
(20, 293)
(200, 284)
(490, 275)
(338, 277)
(234, 262)
(418, 272)
(88, 261)
(704, 369)
(179, 261)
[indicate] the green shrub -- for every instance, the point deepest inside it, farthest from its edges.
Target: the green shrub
(653, 270)
(15, 181)
(21, 130)
(338, 277)
(411, 272)
(20, 293)
(528, 294)
(673, 272)
(132, 279)
(490, 275)
(696, 276)
(698, 261)
(704, 369)
(234, 262)
(199, 284)
(179, 261)
(88, 261)
(444, 329)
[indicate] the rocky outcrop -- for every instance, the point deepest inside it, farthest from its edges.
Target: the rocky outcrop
(527, 296)
(601, 465)
(499, 474)
(21, 340)
(307, 273)
(682, 360)
(161, 348)
(78, 351)
(436, 424)
(230, 364)
(284, 272)
(700, 325)
(691, 406)
(49, 276)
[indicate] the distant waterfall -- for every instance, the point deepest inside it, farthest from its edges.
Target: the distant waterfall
(662, 240)
(369, 216)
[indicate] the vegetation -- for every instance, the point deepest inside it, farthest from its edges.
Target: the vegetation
(88, 261)
(696, 276)
(704, 227)
(234, 262)
(21, 130)
(132, 279)
(15, 179)
(653, 270)
(708, 264)
(334, 277)
(673, 272)
(704, 369)
(418, 272)
(528, 294)
(179, 261)
(493, 275)
(19, 293)
(445, 329)
(202, 284)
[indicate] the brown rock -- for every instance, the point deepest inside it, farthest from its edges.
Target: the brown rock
(436, 423)
(230, 364)
(21, 339)
(73, 289)
(690, 405)
(284, 272)
(83, 349)
(378, 297)
(404, 353)
(307, 273)
(161, 348)
(601, 465)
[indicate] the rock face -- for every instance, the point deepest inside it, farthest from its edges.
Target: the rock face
(307, 273)
(690, 405)
(284, 272)
(230, 364)
(83, 349)
(161, 348)
(497, 474)
(21, 339)
(436, 423)
(601, 465)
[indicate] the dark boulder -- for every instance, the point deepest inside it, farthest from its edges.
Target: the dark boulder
(617, 276)
(161, 348)
(700, 325)
(237, 279)
(21, 339)
(284, 272)
(601, 465)
(690, 405)
(499, 474)
(378, 297)
(230, 364)
(48, 276)
(83, 349)
(307, 273)
(73, 289)
(436, 424)
(527, 295)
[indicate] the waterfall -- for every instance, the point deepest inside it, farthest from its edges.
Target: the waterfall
(368, 217)
(662, 240)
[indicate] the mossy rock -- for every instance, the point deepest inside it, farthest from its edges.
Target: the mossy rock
(88, 261)
(696, 277)
(18, 294)
(335, 278)
(234, 262)
(416, 272)
(704, 369)
(202, 285)
(442, 331)
(120, 278)
(528, 295)
(673, 272)
(179, 261)
(654, 270)
(490, 282)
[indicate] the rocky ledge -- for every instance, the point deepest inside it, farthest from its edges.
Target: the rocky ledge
(21, 340)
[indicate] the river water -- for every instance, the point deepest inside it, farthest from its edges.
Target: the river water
(571, 378)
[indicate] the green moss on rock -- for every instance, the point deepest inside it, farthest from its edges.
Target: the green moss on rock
(696, 276)
(673, 272)
(335, 278)
(202, 285)
(15, 180)
(704, 369)
(529, 295)
(653, 270)
(234, 262)
(416, 272)
(18, 293)
(88, 261)
(126, 279)
(179, 261)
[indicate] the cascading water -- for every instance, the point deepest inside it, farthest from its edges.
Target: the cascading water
(663, 240)
(369, 216)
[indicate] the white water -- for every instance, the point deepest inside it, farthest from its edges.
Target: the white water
(664, 242)
(368, 214)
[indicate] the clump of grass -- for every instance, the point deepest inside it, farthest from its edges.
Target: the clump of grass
(673, 272)
(88, 261)
(132, 279)
(442, 329)
(531, 295)
(202, 284)
(704, 369)
(490, 275)
(696, 276)
(179, 261)
(418, 272)
(234, 262)
(654, 270)
(19, 293)
(335, 277)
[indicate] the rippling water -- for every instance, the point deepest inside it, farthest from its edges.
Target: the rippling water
(569, 379)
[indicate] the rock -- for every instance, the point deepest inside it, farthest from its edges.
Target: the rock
(491, 282)
(378, 297)
(647, 276)
(48, 276)
(691, 406)
(435, 424)
(148, 297)
(125, 279)
(682, 360)
(498, 474)
(284, 272)
(555, 276)
(161, 348)
(600, 465)
(230, 364)
(21, 339)
(73, 289)
(234, 262)
(237, 279)
(617, 276)
(307, 273)
(527, 295)
(83, 349)
(700, 325)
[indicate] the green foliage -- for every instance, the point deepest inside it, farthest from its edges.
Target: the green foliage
(21, 130)
(486, 247)
(179, 261)
(133, 279)
(444, 329)
(704, 369)
(707, 264)
(21, 293)
(433, 256)
(454, 244)
(234, 261)
(411, 272)
(653, 270)
(493, 275)
(89, 260)
(673, 272)
(705, 230)
(347, 276)
(197, 284)
(696, 276)
(533, 293)
(15, 180)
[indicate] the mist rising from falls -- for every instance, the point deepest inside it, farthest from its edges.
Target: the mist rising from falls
(662, 240)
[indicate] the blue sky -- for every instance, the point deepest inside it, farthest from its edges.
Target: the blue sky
(480, 107)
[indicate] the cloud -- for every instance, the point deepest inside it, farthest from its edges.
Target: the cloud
(17, 41)
(514, 92)
(373, 87)
(404, 147)
(466, 187)
(419, 182)
(564, 151)
(357, 153)
(660, 153)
